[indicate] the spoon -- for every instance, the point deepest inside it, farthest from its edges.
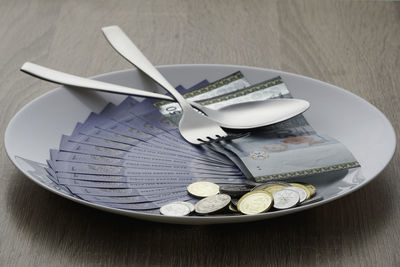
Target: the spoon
(237, 116)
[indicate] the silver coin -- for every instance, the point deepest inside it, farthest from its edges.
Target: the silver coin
(302, 193)
(212, 204)
(174, 209)
(285, 198)
(187, 204)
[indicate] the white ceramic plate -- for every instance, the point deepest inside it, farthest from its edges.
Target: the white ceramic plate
(368, 134)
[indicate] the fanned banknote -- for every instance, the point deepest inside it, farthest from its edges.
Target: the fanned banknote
(130, 156)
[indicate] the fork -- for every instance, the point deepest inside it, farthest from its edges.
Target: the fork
(193, 126)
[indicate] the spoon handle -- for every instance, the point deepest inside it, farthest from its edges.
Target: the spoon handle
(126, 48)
(76, 81)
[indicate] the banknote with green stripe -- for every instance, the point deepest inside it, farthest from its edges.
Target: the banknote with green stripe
(226, 85)
(281, 151)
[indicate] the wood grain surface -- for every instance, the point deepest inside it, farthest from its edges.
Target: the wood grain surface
(352, 44)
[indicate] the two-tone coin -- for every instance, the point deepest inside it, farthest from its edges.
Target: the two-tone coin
(285, 199)
(175, 209)
(203, 189)
(212, 204)
(255, 202)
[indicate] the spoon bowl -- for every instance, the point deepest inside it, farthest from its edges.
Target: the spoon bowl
(254, 114)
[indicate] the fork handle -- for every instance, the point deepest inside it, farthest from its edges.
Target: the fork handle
(126, 48)
(72, 80)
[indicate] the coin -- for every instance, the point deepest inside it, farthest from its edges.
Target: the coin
(174, 209)
(187, 204)
(312, 189)
(203, 189)
(212, 204)
(268, 184)
(234, 190)
(232, 207)
(273, 188)
(285, 198)
(304, 188)
(302, 193)
(254, 202)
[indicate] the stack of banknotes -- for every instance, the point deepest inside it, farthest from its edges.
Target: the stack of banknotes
(131, 156)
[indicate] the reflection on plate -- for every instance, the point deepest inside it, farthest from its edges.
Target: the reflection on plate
(353, 121)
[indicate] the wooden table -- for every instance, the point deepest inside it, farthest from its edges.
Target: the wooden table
(355, 45)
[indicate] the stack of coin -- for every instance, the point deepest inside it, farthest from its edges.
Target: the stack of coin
(283, 195)
(249, 199)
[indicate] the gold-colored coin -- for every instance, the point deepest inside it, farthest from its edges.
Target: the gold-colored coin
(203, 189)
(255, 202)
(303, 187)
(273, 188)
(312, 189)
(232, 207)
(268, 184)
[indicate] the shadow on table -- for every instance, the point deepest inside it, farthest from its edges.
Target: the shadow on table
(79, 235)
